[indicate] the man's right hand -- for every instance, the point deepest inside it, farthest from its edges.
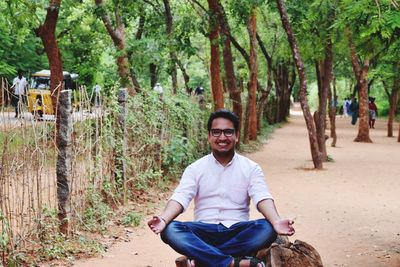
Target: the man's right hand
(157, 224)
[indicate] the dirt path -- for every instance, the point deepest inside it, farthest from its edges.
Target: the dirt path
(350, 211)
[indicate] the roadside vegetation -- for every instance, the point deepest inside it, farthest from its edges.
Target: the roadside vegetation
(120, 157)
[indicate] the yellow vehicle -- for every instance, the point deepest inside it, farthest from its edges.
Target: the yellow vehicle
(39, 97)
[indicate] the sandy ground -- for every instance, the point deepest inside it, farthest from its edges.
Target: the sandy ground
(350, 211)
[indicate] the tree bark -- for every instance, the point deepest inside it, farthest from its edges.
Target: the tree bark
(216, 82)
(64, 155)
(62, 109)
(234, 92)
(362, 84)
(398, 135)
(47, 32)
(393, 99)
(172, 53)
(316, 156)
(325, 78)
(264, 93)
(252, 97)
(185, 75)
(117, 35)
(363, 128)
(153, 74)
(332, 112)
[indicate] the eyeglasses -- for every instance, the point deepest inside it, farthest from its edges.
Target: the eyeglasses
(218, 132)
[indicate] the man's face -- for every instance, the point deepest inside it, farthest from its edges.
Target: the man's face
(222, 137)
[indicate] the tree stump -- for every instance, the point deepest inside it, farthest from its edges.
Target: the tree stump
(282, 253)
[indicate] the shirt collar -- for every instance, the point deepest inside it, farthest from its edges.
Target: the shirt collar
(230, 163)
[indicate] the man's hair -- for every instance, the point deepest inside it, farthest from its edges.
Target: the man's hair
(226, 114)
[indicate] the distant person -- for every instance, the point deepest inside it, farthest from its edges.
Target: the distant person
(199, 90)
(221, 185)
(346, 107)
(97, 98)
(354, 111)
(158, 88)
(373, 112)
(19, 92)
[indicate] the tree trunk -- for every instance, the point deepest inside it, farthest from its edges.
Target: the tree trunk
(332, 112)
(392, 110)
(316, 156)
(216, 82)
(363, 127)
(264, 93)
(234, 92)
(252, 98)
(325, 78)
(398, 135)
(186, 76)
(362, 85)
(153, 74)
(47, 32)
(64, 155)
(393, 99)
(117, 35)
(172, 53)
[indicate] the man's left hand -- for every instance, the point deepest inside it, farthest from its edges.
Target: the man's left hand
(284, 227)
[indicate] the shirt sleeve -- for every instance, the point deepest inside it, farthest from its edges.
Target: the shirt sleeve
(186, 189)
(258, 189)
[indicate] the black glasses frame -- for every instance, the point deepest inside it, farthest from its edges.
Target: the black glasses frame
(227, 132)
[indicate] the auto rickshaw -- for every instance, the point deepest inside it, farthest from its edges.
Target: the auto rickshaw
(39, 96)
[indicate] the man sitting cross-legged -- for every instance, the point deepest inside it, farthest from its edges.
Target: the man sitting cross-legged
(221, 184)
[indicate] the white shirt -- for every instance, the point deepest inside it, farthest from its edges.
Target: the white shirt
(97, 88)
(19, 85)
(222, 193)
(158, 88)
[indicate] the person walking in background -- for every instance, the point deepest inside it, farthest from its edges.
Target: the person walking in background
(19, 92)
(346, 106)
(354, 111)
(373, 112)
(158, 88)
(221, 184)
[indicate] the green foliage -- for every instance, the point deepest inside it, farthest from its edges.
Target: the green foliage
(132, 219)
(4, 233)
(97, 213)
(53, 245)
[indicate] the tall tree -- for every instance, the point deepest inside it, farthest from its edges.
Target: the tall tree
(47, 32)
(312, 135)
(214, 35)
(325, 77)
(172, 54)
(252, 98)
(361, 74)
(393, 94)
(117, 34)
(234, 91)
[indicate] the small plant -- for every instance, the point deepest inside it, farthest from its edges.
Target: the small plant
(132, 219)
(96, 215)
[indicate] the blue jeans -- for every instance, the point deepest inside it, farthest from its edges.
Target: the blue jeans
(215, 245)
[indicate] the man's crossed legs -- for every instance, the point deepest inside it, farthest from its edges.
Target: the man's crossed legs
(214, 245)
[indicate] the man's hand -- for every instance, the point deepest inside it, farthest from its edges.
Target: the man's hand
(284, 227)
(157, 224)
